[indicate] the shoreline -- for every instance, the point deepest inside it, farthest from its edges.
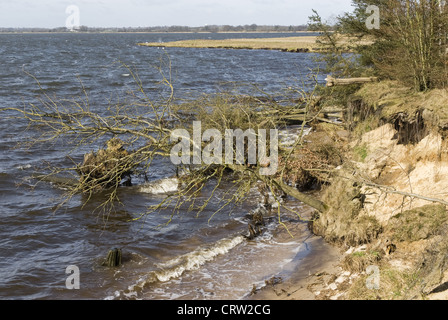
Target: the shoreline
(311, 271)
(385, 237)
(288, 44)
(307, 275)
(160, 32)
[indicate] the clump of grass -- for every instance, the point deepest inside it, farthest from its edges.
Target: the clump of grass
(342, 223)
(417, 224)
(363, 229)
(309, 166)
(393, 285)
(359, 261)
(434, 263)
(360, 152)
(383, 92)
(425, 276)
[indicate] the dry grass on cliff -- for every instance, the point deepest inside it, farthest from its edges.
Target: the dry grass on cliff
(343, 222)
(417, 224)
(392, 98)
(393, 285)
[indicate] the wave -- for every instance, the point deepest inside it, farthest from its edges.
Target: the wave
(166, 185)
(289, 137)
(175, 267)
(23, 167)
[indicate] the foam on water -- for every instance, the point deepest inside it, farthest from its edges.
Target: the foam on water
(289, 137)
(193, 260)
(162, 186)
(225, 269)
(174, 268)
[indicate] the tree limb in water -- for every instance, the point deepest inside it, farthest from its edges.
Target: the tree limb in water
(145, 128)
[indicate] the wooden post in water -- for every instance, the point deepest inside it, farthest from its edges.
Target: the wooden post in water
(113, 258)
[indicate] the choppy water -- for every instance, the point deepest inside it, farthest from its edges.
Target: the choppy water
(190, 258)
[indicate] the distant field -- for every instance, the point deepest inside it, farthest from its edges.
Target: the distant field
(290, 44)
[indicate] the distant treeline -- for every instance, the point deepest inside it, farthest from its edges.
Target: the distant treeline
(208, 28)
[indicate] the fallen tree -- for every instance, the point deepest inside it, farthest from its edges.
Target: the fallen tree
(135, 135)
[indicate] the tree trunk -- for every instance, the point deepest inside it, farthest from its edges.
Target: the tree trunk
(113, 258)
(291, 191)
(331, 82)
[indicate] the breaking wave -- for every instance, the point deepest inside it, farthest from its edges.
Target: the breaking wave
(162, 186)
(175, 267)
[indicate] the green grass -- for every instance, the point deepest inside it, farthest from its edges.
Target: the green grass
(361, 152)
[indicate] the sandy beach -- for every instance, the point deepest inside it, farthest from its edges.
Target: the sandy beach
(311, 276)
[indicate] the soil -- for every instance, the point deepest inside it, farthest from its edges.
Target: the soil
(409, 268)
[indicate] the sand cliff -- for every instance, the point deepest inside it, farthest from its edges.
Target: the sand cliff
(388, 225)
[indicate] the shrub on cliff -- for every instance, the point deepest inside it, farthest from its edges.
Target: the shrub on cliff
(409, 44)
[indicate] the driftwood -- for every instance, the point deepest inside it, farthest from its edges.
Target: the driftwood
(299, 115)
(331, 82)
(321, 117)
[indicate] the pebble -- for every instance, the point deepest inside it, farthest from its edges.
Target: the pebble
(335, 297)
(341, 279)
(333, 286)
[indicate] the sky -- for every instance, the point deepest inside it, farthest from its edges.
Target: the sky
(147, 13)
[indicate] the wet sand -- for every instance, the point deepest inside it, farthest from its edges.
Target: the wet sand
(308, 276)
(310, 272)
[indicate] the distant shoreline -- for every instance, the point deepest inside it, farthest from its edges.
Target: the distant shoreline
(287, 44)
(153, 32)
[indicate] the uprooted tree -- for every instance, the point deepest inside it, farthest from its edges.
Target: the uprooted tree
(138, 133)
(142, 131)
